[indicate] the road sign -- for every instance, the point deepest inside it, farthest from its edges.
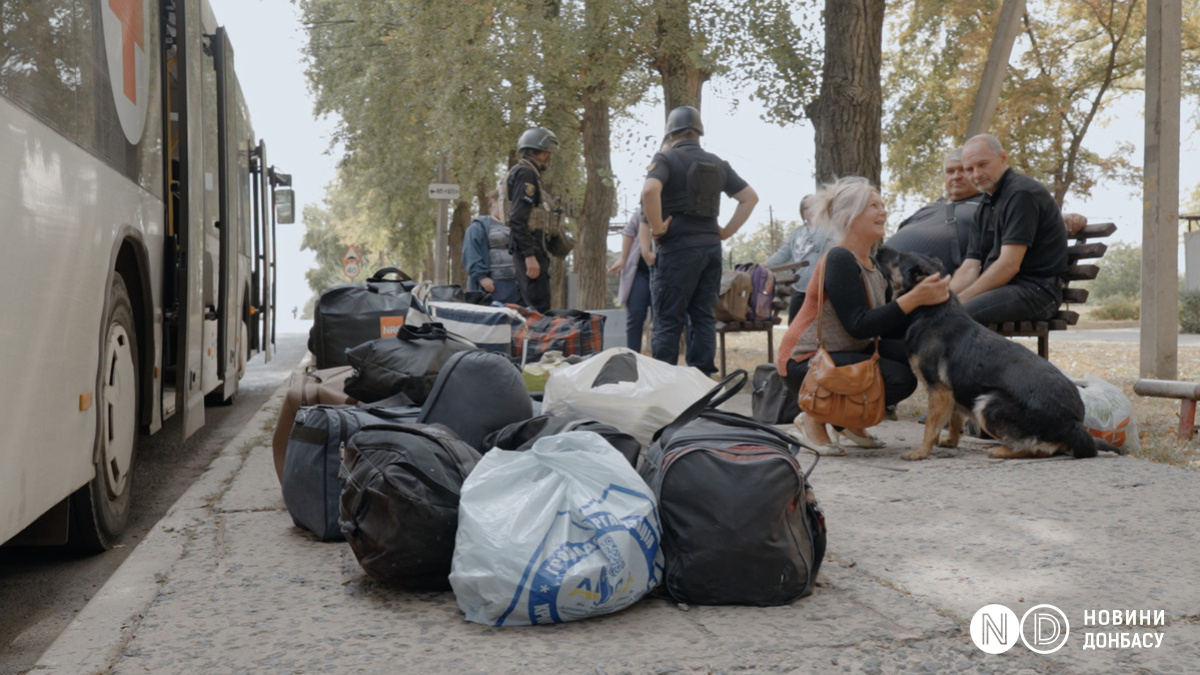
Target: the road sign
(351, 269)
(351, 255)
(444, 191)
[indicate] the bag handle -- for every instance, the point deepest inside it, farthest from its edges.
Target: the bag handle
(381, 274)
(715, 397)
(426, 331)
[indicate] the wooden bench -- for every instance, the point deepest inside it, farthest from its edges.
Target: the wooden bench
(785, 276)
(1084, 248)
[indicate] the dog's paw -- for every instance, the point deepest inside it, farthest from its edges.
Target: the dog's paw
(1001, 452)
(948, 441)
(915, 455)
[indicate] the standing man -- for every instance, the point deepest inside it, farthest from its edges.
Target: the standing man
(528, 216)
(681, 199)
(486, 258)
(1016, 258)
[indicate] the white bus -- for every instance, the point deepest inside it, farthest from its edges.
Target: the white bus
(138, 222)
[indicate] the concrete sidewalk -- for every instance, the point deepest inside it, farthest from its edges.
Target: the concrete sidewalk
(227, 584)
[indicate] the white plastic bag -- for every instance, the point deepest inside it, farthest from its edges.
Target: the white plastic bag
(1108, 413)
(564, 531)
(660, 394)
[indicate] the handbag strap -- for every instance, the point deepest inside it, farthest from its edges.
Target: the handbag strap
(821, 299)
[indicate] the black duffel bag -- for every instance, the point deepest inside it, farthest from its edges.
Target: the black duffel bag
(399, 506)
(348, 315)
(770, 400)
(407, 364)
(522, 435)
(740, 523)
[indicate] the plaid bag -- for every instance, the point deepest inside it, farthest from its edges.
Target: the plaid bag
(567, 331)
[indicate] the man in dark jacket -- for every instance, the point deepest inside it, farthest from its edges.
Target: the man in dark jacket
(681, 199)
(527, 216)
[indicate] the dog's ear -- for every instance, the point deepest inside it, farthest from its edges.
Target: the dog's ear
(887, 256)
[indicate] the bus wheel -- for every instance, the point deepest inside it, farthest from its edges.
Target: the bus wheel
(101, 508)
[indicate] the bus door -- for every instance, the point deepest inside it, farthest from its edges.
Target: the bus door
(230, 223)
(187, 120)
(267, 254)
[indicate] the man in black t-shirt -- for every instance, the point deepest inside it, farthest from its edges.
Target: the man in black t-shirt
(681, 199)
(1016, 257)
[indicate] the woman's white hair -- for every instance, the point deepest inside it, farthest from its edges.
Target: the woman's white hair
(836, 204)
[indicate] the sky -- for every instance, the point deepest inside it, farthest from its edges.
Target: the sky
(778, 162)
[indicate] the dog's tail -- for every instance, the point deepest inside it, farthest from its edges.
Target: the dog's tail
(1084, 445)
(1081, 443)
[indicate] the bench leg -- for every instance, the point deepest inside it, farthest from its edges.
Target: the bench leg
(771, 344)
(1187, 419)
(1044, 346)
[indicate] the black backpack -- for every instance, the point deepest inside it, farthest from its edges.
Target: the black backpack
(740, 523)
(399, 509)
(522, 435)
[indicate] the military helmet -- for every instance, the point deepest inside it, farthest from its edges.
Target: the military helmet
(684, 117)
(538, 139)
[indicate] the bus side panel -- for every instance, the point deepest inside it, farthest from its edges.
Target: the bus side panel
(70, 184)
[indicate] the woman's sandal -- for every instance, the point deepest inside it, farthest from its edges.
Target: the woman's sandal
(827, 450)
(862, 440)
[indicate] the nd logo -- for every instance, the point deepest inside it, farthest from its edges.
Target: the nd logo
(1043, 629)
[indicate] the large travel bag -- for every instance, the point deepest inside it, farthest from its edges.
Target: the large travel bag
(407, 363)
(477, 393)
(741, 525)
(770, 400)
(310, 470)
(566, 331)
(399, 504)
(522, 435)
(310, 387)
(490, 328)
(347, 315)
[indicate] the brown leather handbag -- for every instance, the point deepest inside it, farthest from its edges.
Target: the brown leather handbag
(844, 396)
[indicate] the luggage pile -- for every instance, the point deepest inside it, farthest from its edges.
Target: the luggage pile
(440, 470)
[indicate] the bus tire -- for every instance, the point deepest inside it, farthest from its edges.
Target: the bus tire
(101, 508)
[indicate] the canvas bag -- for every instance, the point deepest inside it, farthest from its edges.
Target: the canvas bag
(845, 396)
(741, 524)
(733, 303)
(308, 387)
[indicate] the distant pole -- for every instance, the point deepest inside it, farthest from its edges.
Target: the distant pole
(771, 230)
(997, 66)
(1160, 190)
(441, 272)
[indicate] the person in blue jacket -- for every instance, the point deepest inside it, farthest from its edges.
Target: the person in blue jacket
(486, 258)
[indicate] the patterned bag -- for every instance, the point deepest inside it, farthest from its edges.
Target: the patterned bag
(567, 331)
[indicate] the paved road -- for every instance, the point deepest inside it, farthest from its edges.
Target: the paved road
(41, 590)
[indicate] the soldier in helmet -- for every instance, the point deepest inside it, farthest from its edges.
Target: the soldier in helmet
(527, 216)
(681, 199)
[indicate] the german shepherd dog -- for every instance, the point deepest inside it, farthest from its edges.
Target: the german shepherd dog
(969, 371)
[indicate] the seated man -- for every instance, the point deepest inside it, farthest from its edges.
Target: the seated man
(942, 229)
(1016, 258)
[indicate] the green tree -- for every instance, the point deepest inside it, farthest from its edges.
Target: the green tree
(1074, 59)
(1120, 274)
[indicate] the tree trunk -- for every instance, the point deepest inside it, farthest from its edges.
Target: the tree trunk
(591, 259)
(458, 229)
(847, 115)
(683, 76)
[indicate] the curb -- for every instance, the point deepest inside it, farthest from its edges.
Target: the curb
(96, 637)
